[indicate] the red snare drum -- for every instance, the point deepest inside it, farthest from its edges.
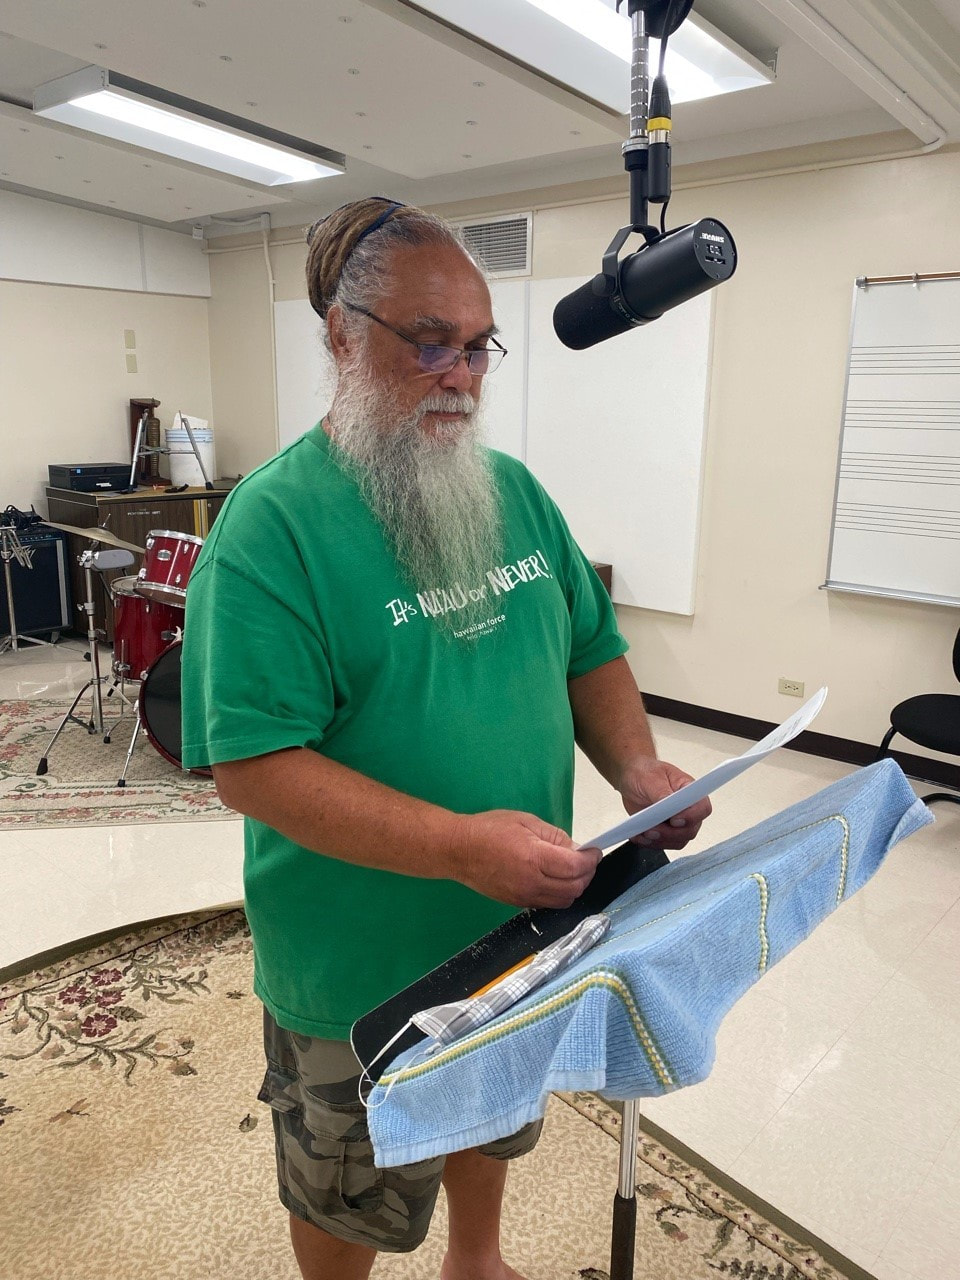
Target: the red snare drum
(167, 565)
(142, 629)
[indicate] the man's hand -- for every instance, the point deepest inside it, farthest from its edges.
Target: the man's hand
(516, 858)
(646, 780)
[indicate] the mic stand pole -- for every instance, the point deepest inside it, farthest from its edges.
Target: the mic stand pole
(636, 158)
(648, 168)
(645, 184)
(636, 150)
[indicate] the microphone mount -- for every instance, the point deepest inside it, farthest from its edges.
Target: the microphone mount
(671, 266)
(646, 153)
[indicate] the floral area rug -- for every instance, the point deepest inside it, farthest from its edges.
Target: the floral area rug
(81, 783)
(133, 1143)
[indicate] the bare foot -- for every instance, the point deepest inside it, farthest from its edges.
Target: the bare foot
(495, 1271)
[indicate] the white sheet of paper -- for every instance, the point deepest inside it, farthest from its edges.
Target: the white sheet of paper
(664, 809)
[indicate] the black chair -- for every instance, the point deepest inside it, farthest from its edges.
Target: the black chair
(933, 721)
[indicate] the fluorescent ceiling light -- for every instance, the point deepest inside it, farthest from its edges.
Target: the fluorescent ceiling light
(586, 45)
(104, 102)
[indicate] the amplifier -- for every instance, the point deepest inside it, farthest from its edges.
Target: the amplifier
(41, 595)
(89, 477)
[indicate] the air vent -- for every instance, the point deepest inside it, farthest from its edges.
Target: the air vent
(501, 244)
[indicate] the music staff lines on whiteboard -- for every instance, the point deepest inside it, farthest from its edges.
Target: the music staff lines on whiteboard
(896, 506)
(928, 415)
(922, 360)
(913, 468)
(868, 517)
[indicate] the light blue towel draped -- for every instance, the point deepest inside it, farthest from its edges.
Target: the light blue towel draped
(638, 1014)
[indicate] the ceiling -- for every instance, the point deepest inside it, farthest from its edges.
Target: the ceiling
(425, 114)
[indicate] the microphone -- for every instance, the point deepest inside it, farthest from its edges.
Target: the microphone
(673, 266)
(665, 272)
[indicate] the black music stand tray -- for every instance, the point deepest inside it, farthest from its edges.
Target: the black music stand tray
(484, 962)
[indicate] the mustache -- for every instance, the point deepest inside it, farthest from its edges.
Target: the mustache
(448, 402)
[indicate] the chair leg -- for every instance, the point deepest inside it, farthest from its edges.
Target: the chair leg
(940, 795)
(885, 744)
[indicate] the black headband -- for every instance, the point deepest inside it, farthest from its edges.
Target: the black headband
(374, 226)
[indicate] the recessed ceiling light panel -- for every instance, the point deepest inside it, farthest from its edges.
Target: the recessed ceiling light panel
(103, 102)
(586, 45)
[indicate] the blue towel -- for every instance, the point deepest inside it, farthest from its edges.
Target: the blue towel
(637, 1015)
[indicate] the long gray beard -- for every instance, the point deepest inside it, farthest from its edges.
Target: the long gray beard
(434, 496)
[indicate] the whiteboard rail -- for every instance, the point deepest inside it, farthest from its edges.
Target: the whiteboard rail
(853, 589)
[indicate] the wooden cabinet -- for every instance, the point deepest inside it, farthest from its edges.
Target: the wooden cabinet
(131, 516)
(133, 521)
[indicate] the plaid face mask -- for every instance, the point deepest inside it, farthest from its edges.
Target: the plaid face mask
(448, 1022)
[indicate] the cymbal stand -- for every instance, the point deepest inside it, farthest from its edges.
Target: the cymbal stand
(11, 548)
(88, 562)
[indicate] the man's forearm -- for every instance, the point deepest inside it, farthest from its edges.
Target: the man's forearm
(324, 806)
(609, 719)
(329, 808)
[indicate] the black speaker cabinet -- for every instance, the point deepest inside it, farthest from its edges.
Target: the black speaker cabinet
(41, 595)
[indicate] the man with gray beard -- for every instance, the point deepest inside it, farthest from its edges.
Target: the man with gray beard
(392, 644)
(433, 494)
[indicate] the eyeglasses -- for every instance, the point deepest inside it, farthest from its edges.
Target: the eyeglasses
(434, 359)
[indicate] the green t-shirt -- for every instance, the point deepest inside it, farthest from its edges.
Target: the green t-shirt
(301, 631)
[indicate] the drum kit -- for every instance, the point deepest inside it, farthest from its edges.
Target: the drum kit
(148, 615)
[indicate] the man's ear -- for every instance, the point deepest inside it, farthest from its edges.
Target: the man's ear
(340, 344)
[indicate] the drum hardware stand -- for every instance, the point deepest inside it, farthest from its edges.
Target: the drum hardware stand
(89, 560)
(138, 723)
(120, 673)
(122, 780)
(11, 548)
(140, 450)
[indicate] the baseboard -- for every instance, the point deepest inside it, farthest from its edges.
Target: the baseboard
(922, 768)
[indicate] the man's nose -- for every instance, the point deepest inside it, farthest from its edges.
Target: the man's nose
(459, 378)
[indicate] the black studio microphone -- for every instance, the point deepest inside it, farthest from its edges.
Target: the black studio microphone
(661, 275)
(672, 266)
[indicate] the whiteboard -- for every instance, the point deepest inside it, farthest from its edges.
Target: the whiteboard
(306, 379)
(896, 521)
(615, 434)
(305, 373)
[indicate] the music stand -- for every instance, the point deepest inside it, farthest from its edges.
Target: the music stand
(488, 959)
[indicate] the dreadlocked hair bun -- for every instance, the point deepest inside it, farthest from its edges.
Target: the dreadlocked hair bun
(334, 239)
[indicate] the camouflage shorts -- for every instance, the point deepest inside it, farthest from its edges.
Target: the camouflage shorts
(325, 1163)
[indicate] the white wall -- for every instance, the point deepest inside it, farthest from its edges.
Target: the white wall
(780, 344)
(74, 283)
(57, 244)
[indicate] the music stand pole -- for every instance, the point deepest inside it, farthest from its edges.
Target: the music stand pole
(625, 1201)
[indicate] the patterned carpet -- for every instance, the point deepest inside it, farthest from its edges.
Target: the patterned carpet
(80, 786)
(134, 1143)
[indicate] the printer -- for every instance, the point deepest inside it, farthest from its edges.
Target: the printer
(89, 477)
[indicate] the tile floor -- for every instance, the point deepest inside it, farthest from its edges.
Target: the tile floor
(836, 1094)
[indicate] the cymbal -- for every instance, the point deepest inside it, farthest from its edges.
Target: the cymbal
(95, 534)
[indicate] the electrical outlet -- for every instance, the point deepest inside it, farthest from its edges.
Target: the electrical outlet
(792, 688)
